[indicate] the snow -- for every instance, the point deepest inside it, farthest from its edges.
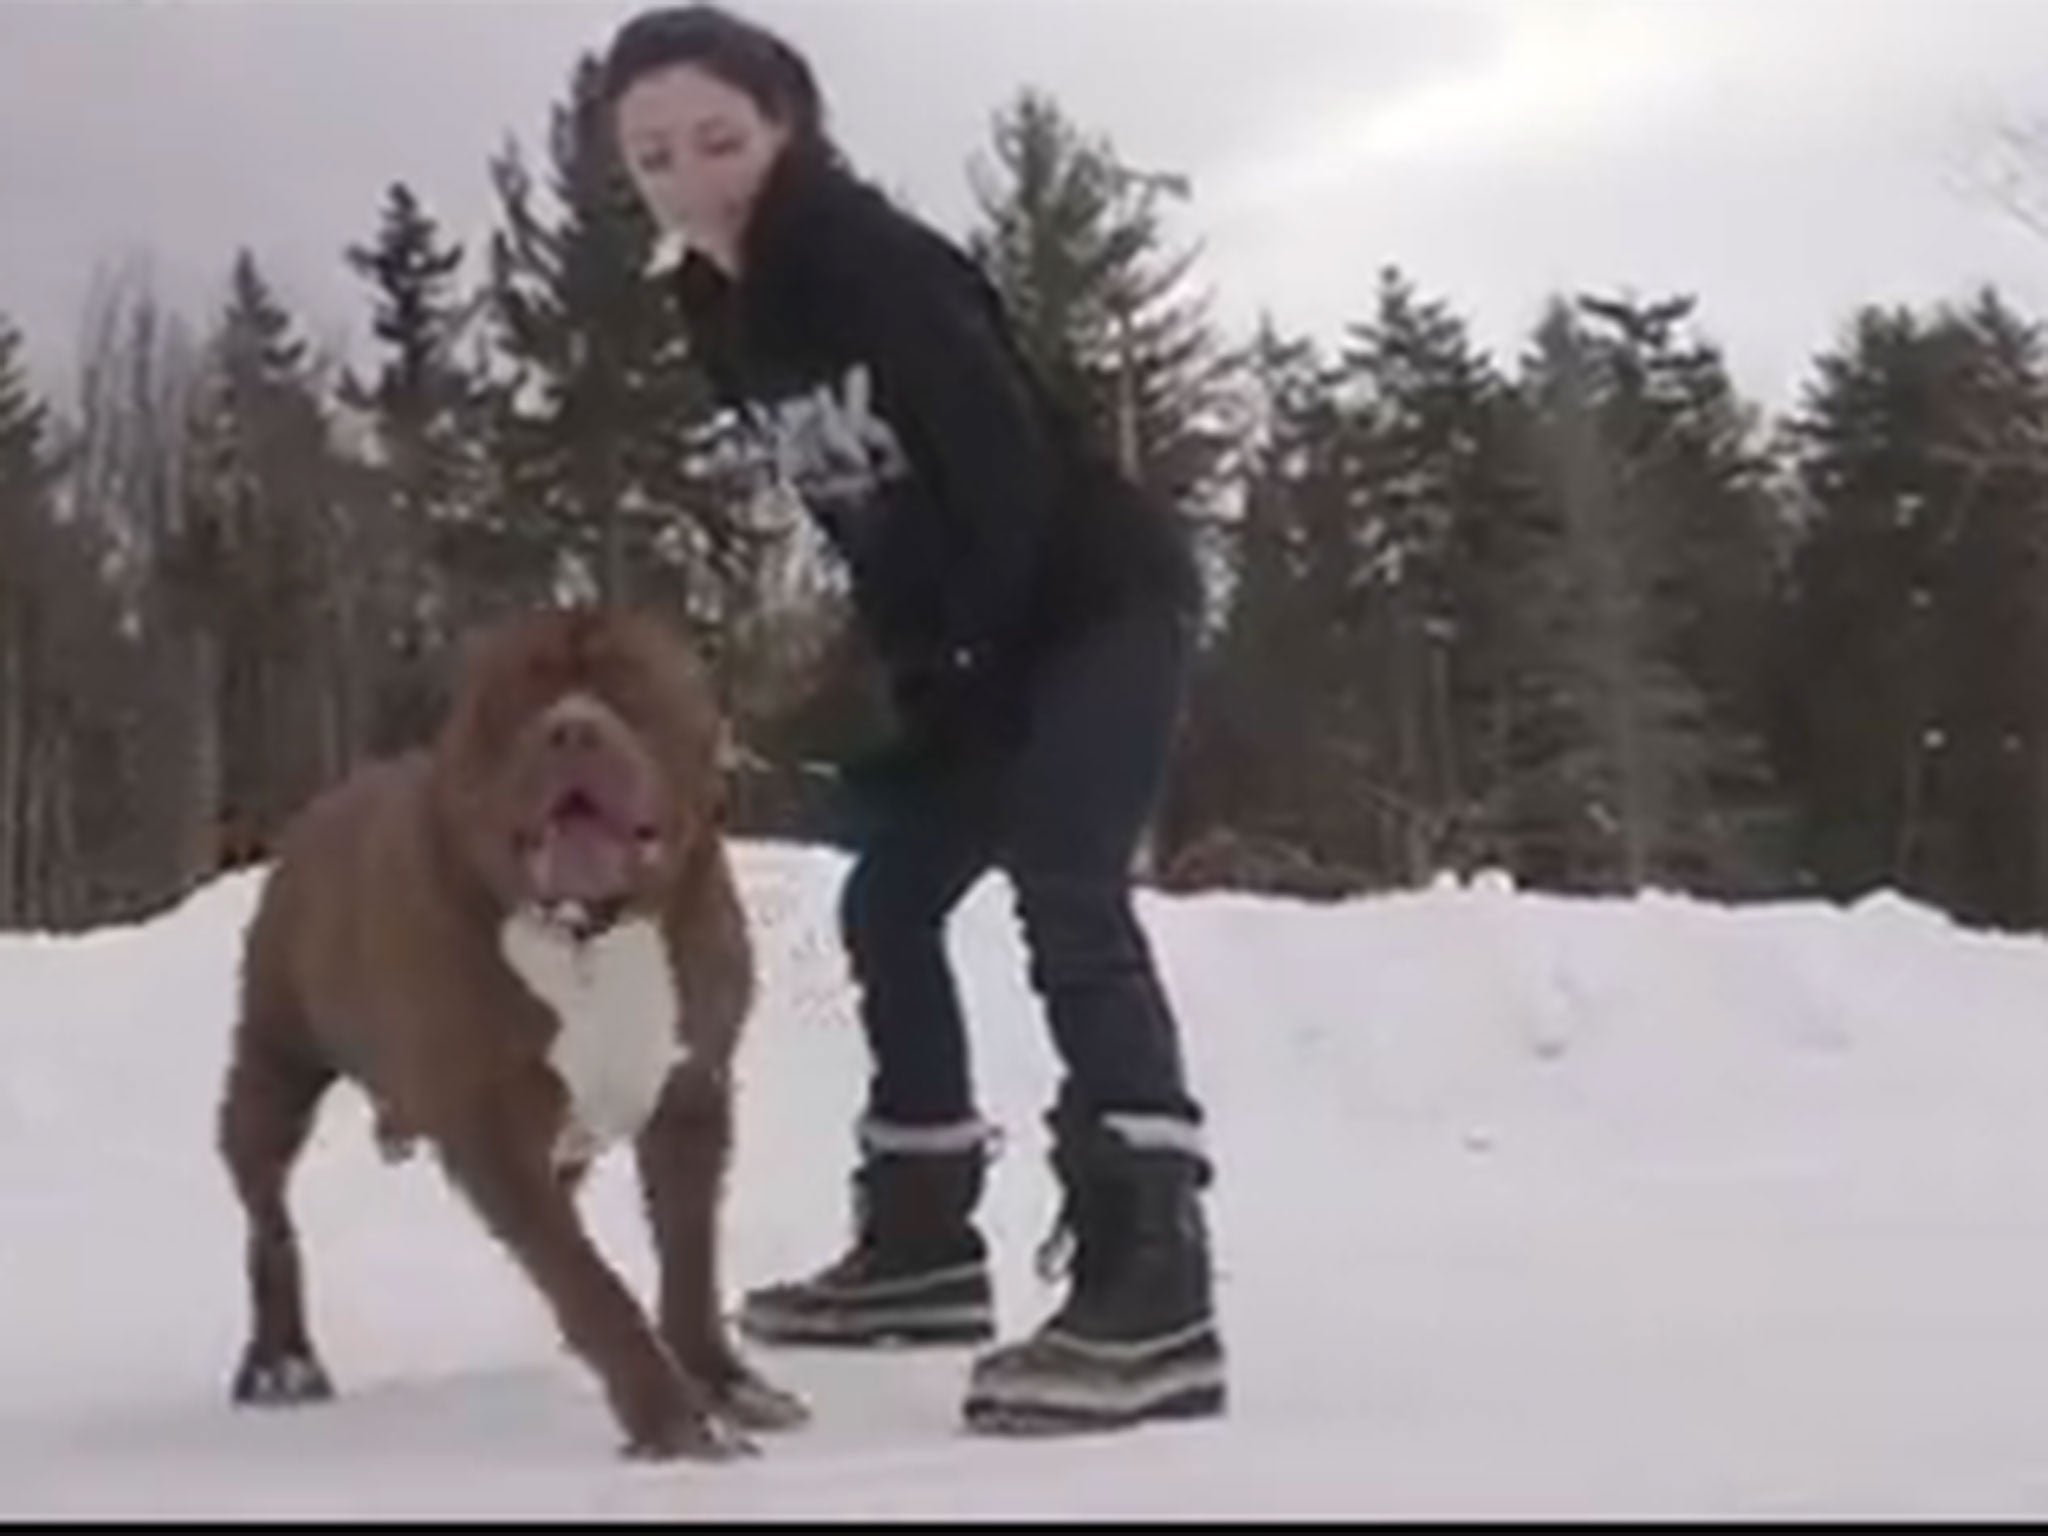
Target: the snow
(1527, 1206)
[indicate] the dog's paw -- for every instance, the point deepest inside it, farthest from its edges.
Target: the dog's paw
(694, 1437)
(281, 1381)
(755, 1404)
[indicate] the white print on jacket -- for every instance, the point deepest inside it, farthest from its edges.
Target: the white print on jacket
(829, 446)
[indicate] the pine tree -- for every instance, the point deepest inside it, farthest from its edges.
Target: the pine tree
(1698, 458)
(59, 724)
(25, 480)
(1867, 571)
(1916, 732)
(1632, 768)
(1432, 425)
(604, 427)
(149, 806)
(1363, 676)
(1994, 634)
(25, 471)
(423, 396)
(425, 411)
(1075, 240)
(1279, 724)
(268, 562)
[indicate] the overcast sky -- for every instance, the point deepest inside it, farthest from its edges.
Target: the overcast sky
(1786, 159)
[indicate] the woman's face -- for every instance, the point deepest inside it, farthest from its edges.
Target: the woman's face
(697, 150)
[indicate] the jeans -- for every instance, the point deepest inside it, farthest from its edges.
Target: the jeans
(1059, 809)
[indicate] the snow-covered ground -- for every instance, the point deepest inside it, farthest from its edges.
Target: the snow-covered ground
(1527, 1206)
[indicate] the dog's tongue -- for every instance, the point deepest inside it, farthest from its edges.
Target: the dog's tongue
(581, 858)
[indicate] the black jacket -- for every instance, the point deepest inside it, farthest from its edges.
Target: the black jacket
(875, 368)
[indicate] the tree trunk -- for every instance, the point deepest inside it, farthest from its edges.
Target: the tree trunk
(59, 878)
(201, 812)
(36, 828)
(1596, 530)
(13, 733)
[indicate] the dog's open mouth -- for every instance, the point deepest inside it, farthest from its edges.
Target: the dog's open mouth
(586, 850)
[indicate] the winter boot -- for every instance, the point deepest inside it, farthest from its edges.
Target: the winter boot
(917, 1271)
(1136, 1338)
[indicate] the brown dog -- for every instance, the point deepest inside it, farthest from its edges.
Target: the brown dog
(526, 946)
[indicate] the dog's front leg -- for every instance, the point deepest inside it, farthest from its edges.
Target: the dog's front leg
(507, 1178)
(682, 1156)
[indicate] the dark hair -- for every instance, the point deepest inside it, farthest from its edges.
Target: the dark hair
(746, 57)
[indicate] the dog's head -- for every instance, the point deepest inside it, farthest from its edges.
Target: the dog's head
(579, 766)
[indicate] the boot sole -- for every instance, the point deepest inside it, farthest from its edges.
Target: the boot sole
(1056, 1383)
(1022, 1420)
(932, 1329)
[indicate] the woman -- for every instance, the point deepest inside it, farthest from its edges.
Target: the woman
(1033, 614)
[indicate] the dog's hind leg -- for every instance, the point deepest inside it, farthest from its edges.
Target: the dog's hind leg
(273, 1092)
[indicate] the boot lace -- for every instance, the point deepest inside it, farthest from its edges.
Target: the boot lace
(1054, 1259)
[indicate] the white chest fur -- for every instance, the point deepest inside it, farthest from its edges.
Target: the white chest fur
(614, 998)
